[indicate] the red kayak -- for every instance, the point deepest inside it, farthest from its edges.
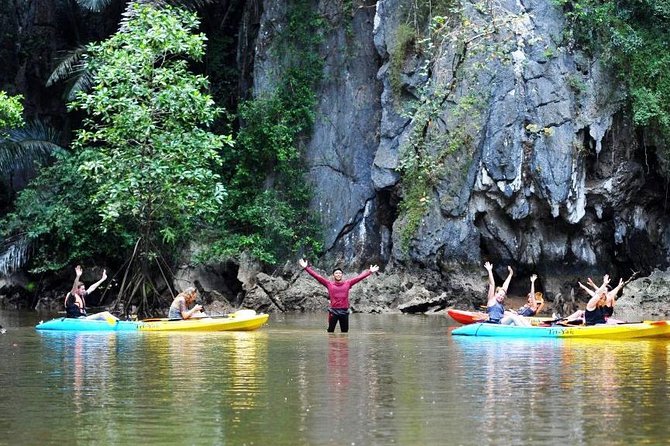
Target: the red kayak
(470, 317)
(467, 317)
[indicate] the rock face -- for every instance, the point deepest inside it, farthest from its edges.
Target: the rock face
(646, 298)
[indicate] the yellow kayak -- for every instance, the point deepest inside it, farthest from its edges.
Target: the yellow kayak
(242, 320)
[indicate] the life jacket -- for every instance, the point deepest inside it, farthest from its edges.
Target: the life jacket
(75, 306)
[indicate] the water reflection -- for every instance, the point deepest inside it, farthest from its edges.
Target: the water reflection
(210, 381)
(586, 386)
(338, 365)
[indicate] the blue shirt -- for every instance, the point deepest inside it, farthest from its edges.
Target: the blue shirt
(495, 312)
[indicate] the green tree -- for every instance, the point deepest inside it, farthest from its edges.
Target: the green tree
(144, 145)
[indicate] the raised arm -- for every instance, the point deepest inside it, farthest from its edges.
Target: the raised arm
(97, 284)
(491, 299)
(533, 278)
(304, 265)
(595, 295)
(611, 295)
(591, 292)
(364, 274)
(505, 284)
(77, 275)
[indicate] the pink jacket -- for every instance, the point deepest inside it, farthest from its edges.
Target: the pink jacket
(338, 291)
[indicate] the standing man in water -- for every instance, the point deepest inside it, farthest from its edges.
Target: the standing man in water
(338, 293)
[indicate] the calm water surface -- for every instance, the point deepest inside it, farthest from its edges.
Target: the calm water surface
(394, 379)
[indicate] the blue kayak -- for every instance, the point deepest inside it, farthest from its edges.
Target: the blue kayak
(74, 324)
(645, 329)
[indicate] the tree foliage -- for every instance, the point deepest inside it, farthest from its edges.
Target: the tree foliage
(142, 176)
(144, 144)
(11, 111)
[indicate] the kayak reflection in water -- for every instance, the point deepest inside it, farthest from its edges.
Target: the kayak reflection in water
(179, 308)
(338, 293)
(75, 300)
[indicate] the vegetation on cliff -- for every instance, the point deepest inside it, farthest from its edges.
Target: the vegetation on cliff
(266, 213)
(633, 37)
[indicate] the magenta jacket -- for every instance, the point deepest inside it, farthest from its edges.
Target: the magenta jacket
(338, 291)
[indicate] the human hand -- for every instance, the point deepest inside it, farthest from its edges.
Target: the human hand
(488, 266)
(104, 274)
(533, 278)
(78, 270)
(509, 269)
(374, 268)
(302, 263)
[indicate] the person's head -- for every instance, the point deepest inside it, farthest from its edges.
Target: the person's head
(535, 300)
(190, 294)
(337, 274)
(602, 298)
(80, 289)
(500, 294)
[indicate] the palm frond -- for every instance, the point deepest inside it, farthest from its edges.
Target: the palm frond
(14, 254)
(24, 146)
(69, 66)
(81, 82)
(94, 5)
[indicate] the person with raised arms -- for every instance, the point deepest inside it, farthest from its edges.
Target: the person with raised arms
(600, 307)
(75, 300)
(534, 303)
(338, 293)
(496, 298)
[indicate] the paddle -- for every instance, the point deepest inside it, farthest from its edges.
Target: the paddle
(163, 319)
(220, 316)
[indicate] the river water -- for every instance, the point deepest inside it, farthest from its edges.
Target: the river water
(394, 379)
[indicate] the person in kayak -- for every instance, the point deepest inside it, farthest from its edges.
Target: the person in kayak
(75, 300)
(535, 301)
(338, 293)
(179, 308)
(600, 307)
(496, 298)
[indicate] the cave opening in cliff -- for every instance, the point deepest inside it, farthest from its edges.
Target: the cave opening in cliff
(233, 290)
(387, 209)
